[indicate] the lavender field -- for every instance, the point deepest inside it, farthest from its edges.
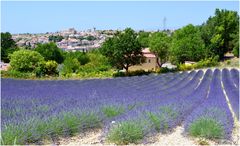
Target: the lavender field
(128, 109)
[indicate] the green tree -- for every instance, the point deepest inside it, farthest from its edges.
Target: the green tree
(217, 32)
(143, 38)
(57, 38)
(123, 50)
(70, 65)
(90, 38)
(187, 44)
(50, 51)
(8, 46)
(25, 60)
(160, 44)
(98, 62)
(235, 43)
(82, 57)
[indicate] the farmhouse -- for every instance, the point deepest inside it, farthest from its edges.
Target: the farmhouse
(149, 64)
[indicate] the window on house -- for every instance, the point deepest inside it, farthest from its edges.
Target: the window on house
(149, 60)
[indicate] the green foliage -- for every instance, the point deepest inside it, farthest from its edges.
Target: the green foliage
(54, 127)
(209, 62)
(160, 44)
(185, 67)
(17, 74)
(82, 58)
(156, 120)
(95, 74)
(70, 65)
(25, 60)
(71, 123)
(166, 70)
(187, 45)
(207, 128)
(112, 111)
(236, 51)
(47, 68)
(126, 133)
(97, 63)
(123, 50)
(50, 51)
(89, 120)
(90, 38)
(36, 130)
(8, 46)
(51, 67)
(143, 38)
(11, 135)
(217, 32)
(92, 64)
(160, 119)
(132, 73)
(57, 38)
(235, 43)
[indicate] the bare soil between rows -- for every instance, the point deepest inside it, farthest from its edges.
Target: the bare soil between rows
(175, 138)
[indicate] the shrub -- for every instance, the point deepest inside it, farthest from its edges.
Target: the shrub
(132, 73)
(51, 67)
(228, 62)
(70, 65)
(236, 51)
(98, 62)
(206, 128)
(92, 67)
(209, 62)
(17, 74)
(81, 57)
(112, 111)
(184, 67)
(25, 60)
(40, 71)
(50, 51)
(119, 74)
(126, 132)
(138, 73)
(166, 70)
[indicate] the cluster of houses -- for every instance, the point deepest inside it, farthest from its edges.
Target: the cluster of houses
(73, 40)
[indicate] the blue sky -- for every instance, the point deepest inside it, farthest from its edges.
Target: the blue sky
(46, 16)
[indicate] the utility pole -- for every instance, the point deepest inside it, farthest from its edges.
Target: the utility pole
(164, 23)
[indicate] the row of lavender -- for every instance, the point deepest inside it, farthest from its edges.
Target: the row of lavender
(23, 99)
(160, 102)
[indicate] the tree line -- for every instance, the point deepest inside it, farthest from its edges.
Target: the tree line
(215, 37)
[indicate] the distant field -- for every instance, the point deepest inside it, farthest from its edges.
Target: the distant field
(128, 109)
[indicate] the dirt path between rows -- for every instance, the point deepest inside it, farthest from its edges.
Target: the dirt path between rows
(175, 138)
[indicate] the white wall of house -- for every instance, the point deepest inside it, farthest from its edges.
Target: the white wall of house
(150, 64)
